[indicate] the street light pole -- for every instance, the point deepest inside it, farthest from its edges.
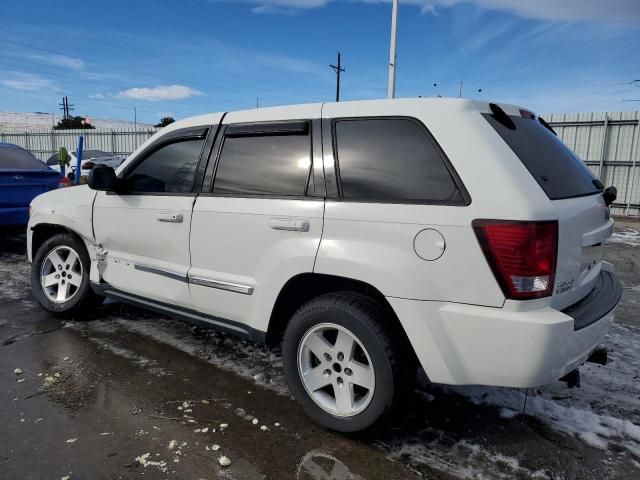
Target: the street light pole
(391, 93)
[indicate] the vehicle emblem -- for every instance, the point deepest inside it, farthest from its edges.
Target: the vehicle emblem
(17, 177)
(565, 286)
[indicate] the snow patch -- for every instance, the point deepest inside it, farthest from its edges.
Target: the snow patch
(138, 360)
(250, 361)
(145, 462)
(462, 459)
(627, 236)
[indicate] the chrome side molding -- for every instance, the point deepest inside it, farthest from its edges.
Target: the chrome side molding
(161, 271)
(196, 280)
(219, 284)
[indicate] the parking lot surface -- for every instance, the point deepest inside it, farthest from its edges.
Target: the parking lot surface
(129, 394)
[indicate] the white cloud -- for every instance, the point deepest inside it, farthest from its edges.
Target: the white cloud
(97, 96)
(554, 10)
(71, 63)
(26, 81)
(270, 9)
(160, 93)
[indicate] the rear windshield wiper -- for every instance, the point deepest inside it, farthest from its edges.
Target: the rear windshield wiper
(501, 116)
(547, 126)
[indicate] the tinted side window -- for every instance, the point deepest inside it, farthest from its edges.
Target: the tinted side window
(392, 160)
(264, 165)
(559, 172)
(172, 168)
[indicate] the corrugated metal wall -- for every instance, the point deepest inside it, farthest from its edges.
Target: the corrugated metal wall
(608, 143)
(45, 143)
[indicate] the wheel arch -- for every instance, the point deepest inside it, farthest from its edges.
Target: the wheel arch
(306, 286)
(43, 231)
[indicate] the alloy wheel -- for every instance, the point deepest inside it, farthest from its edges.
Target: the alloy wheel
(61, 274)
(336, 370)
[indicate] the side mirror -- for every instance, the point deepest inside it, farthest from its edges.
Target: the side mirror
(103, 178)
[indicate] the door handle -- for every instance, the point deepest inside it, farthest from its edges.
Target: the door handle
(289, 224)
(170, 217)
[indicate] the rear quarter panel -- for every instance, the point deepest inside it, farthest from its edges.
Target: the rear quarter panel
(373, 242)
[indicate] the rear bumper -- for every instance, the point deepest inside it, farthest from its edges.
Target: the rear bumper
(601, 300)
(514, 346)
(14, 216)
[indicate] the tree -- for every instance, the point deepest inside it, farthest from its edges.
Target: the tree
(73, 122)
(165, 121)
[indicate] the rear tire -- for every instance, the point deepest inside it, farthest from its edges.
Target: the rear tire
(342, 364)
(60, 277)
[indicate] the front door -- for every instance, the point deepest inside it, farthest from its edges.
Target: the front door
(143, 231)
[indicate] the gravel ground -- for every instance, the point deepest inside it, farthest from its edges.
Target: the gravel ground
(129, 394)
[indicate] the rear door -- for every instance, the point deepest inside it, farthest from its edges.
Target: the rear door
(584, 222)
(258, 220)
(144, 230)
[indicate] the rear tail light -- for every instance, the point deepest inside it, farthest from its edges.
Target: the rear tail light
(64, 182)
(522, 255)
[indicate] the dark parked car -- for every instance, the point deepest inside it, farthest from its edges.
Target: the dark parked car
(22, 178)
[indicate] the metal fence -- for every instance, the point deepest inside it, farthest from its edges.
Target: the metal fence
(607, 142)
(44, 143)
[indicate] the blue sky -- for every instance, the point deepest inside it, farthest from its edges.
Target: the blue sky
(197, 56)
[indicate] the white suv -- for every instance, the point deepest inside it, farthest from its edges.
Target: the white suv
(366, 237)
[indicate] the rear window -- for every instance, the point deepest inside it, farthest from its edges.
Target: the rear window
(19, 159)
(392, 160)
(558, 170)
(86, 154)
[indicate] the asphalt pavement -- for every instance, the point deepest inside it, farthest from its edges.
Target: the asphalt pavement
(125, 394)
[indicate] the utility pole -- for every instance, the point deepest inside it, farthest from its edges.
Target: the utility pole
(391, 92)
(257, 102)
(135, 119)
(338, 69)
(66, 108)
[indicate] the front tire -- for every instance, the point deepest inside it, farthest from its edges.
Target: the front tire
(60, 276)
(342, 364)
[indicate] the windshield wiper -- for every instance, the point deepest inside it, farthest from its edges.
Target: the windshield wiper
(547, 126)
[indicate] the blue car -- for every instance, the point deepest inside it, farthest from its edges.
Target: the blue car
(22, 178)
